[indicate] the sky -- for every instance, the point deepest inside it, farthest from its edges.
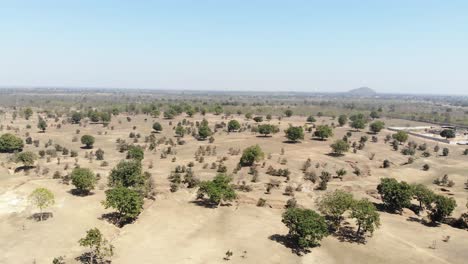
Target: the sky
(392, 46)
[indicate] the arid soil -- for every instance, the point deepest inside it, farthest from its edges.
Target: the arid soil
(175, 229)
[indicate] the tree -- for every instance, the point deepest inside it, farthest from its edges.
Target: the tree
(288, 112)
(358, 123)
(443, 207)
(250, 155)
(217, 190)
(127, 174)
(445, 151)
(99, 154)
(28, 113)
(218, 110)
(395, 195)
(334, 205)
(424, 196)
(258, 119)
(10, 143)
(366, 215)
(204, 131)
(323, 131)
(306, 227)
(27, 158)
(233, 125)
(400, 136)
(180, 131)
(447, 133)
(157, 127)
(83, 179)
(267, 129)
(76, 117)
(311, 119)
(87, 140)
(41, 198)
(135, 153)
(42, 125)
(127, 202)
(342, 120)
(98, 245)
(339, 147)
(294, 133)
(376, 126)
(374, 115)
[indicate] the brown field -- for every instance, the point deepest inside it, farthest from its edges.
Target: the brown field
(174, 229)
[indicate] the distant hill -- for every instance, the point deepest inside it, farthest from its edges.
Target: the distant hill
(362, 91)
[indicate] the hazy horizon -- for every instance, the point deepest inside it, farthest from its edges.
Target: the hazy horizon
(406, 47)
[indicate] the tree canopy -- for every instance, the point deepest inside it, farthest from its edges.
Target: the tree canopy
(127, 202)
(323, 132)
(42, 198)
(395, 195)
(10, 143)
(233, 125)
(217, 190)
(339, 147)
(376, 126)
(306, 227)
(88, 140)
(251, 155)
(83, 179)
(294, 133)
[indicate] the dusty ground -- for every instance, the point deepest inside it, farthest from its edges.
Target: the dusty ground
(173, 229)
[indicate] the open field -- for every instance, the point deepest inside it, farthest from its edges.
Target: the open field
(173, 228)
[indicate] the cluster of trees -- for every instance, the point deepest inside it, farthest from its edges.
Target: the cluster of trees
(307, 227)
(398, 195)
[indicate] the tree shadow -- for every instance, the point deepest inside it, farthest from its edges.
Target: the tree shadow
(207, 204)
(318, 139)
(23, 168)
(37, 216)
(116, 219)
(264, 136)
(334, 155)
(80, 193)
(347, 234)
(86, 147)
(289, 242)
(291, 141)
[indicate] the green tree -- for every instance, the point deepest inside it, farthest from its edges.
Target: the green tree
(311, 119)
(204, 131)
(424, 196)
(376, 126)
(87, 140)
(447, 133)
(42, 124)
(251, 155)
(334, 205)
(41, 198)
(267, 129)
(288, 112)
(339, 147)
(127, 174)
(127, 202)
(83, 179)
(323, 132)
(358, 123)
(76, 117)
(157, 127)
(28, 112)
(306, 227)
(180, 131)
(99, 247)
(218, 110)
(294, 133)
(10, 143)
(233, 125)
(442, 208)
(374, 115)
(342, 120)
(217, 190)
(400, 136)
(258, 119)
(135, 153)
(27, 158)
(395, 195)
(366, 215)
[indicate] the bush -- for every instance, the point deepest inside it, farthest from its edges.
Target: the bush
(157, 127)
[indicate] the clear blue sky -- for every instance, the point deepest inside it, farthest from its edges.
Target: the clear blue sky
(391, 46)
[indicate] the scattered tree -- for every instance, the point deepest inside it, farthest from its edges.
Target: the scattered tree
(42, 198)
(306, 227)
